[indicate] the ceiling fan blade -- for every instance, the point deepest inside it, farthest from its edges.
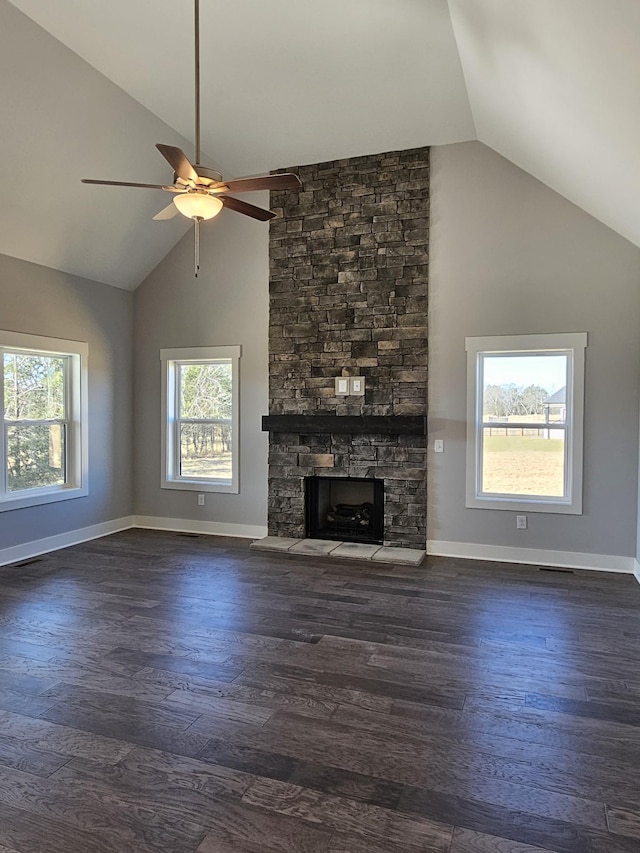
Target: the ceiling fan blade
(129, 184)
(246, 208)
(167, 212)
(286, 181)
(178, 159)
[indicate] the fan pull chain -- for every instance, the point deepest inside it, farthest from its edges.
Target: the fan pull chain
(196, 221)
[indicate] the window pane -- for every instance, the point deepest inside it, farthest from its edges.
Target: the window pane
(523, 464)
(528, 388)
(205, 391)
(205, 451)
(35, 456)
(33, 387)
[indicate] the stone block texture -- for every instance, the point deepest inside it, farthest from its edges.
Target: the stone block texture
(348, 296)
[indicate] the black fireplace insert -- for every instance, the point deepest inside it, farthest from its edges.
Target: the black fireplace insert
(346, 509)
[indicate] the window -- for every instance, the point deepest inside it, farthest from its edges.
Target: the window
(43, 446)
(200, 422)
(524, 422)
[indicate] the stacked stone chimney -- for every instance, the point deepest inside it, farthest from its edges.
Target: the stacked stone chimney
(348, 297)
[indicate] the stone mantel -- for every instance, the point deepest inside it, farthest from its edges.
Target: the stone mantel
(318, 424)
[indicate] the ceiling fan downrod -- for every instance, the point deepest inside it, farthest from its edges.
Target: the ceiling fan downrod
(196, 220)
(197, 73)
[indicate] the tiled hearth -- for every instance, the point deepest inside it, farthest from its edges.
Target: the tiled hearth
(348, 297)
(339, 550)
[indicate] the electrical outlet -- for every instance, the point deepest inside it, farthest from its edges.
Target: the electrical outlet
(200, 500)
(521, 522)
(438, 445)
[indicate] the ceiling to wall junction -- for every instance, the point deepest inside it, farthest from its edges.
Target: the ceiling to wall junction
(554, 88)
(548, 85)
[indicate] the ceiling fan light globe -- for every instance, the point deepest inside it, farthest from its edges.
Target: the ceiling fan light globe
(198, 205)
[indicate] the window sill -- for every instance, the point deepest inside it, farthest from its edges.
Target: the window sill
(201, 486)
(37, 497)
(522, 504)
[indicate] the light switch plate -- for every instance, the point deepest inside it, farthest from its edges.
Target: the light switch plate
(356, 386)
(342, 386)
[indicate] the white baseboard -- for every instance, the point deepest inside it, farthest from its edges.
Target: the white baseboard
(534, 556)
(35, 548)
(636, 570)
(63, 540)
(212, 528)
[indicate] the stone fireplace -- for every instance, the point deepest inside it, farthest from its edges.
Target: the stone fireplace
(348, 297)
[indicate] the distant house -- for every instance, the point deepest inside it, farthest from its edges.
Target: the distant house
(555, 407)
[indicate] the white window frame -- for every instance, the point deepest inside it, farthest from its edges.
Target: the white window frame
(572, 345)
(76, 354)
(171, 360)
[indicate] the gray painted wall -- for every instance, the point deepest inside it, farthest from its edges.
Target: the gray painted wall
(68, 121)
(638, 519)
(41, 301)
(227, 304)
(510, 256)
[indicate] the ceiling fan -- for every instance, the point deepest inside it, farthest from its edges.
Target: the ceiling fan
(199, 192)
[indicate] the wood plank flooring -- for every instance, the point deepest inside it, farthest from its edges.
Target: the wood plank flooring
(174, 694)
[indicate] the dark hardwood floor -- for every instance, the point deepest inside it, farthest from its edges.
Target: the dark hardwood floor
(169, 693)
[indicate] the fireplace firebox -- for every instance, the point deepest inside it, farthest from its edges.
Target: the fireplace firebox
(346, 509)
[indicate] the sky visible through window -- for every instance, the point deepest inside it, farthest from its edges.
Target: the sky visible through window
(547, 371)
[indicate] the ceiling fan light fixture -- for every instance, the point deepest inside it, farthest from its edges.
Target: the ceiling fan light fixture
(196, 205)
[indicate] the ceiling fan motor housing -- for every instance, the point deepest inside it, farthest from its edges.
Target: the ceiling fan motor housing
(205, 176)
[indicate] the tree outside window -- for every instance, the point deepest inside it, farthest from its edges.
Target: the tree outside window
(200, 418)
(205, 417)
(35, 420)
(43, 423)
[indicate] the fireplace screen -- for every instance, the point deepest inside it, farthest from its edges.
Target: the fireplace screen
(348, 509)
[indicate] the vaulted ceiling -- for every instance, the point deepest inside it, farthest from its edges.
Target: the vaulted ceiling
(88, 87)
